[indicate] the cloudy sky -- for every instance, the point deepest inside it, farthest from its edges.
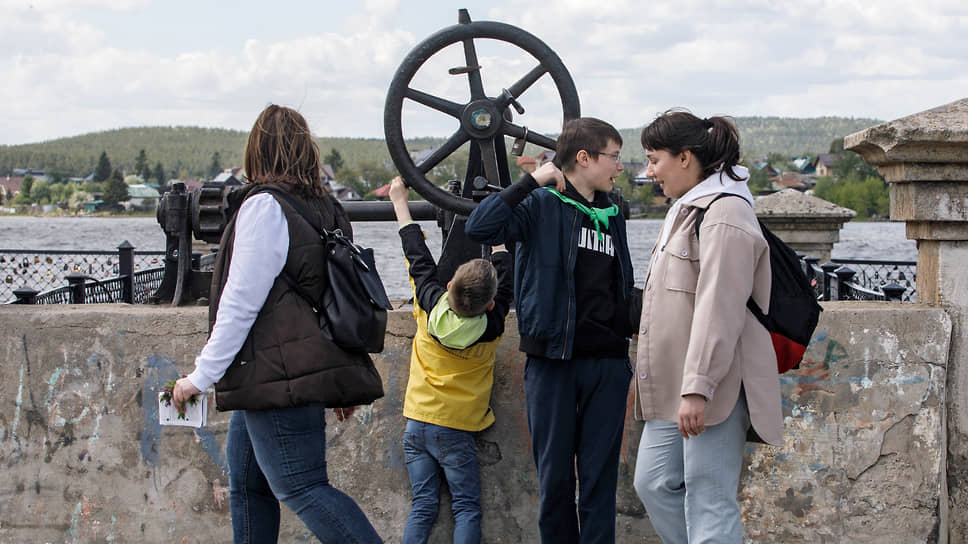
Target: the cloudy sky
(70, 67)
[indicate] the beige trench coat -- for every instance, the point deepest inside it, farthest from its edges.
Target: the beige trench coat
(696, 334)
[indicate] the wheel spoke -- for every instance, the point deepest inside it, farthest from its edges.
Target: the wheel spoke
(523, 84)
(452, 144)
(487, 152)
(489, 157)
(440, 104)
(516, 131)
(474, 75)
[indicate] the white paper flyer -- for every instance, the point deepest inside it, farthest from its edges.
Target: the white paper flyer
(195, 414)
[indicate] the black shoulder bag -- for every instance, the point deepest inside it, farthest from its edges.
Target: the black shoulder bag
(353, 307)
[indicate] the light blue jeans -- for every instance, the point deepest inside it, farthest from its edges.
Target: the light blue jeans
(689, 487)
(280, 455)
(429, 450)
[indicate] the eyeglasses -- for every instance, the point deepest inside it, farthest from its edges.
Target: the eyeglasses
(617, 157)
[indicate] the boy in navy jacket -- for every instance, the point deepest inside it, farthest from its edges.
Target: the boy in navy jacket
(573, 296)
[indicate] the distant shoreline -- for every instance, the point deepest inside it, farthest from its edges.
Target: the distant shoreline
(108, 215)
(81, 215)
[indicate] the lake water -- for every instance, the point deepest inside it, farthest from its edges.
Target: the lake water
(870, 240)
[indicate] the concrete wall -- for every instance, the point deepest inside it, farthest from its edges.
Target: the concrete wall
(924, 158)
(85, 460)
(951, 259)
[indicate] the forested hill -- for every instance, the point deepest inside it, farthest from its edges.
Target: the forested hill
(791, 137)
(788, 136)
(183, 152)
(188, 151)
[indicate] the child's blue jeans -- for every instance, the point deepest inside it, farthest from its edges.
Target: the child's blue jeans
(427, 449)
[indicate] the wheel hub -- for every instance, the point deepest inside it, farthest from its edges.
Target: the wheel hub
(481, 119)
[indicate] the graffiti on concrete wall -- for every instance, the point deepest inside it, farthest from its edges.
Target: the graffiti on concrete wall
(160, 370)
(857, 411)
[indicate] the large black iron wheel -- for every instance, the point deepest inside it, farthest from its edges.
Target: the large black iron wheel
(483, 120)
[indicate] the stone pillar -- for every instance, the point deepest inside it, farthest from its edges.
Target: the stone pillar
(925, 159)
(806, 223)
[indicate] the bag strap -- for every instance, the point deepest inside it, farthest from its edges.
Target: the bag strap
(293, 203)
(309, 219)
(702, 211)
(753, 306)
(362, 257)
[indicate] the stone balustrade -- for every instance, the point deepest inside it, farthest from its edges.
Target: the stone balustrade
(924, 157)
(806, 223)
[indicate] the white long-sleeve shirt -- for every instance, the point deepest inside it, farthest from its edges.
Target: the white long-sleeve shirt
(260, 249)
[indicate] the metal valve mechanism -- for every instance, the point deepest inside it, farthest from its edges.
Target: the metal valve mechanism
(485, 122)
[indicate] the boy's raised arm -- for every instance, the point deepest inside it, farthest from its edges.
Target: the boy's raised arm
(399, 195)
(498, 219)
(547, 174)
(420, 263)
(504, 264)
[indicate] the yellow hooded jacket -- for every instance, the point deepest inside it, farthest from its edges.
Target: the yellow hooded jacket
(451, 386)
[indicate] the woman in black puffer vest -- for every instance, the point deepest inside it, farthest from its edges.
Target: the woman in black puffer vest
(265, 353)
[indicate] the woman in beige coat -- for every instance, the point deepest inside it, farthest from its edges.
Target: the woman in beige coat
(706, 375)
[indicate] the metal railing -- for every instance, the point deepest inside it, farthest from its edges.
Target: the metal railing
(105, 276)
(39, 276)
(862, 279)
(873, 275)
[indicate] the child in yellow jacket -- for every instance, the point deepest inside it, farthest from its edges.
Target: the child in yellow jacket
(451, 373)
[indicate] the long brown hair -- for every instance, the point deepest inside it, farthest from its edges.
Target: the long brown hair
(714, 141)
(281, 149)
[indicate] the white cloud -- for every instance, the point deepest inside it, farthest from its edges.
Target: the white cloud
(69, 73)
(30, 32)
(898, 98)
(87, 81)
(65, 5)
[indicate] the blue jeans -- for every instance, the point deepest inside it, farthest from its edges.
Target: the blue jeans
(280, 455)
(576, 414)
(689, 487)
(427, 449)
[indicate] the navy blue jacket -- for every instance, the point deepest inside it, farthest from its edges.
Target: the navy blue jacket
(545, 231)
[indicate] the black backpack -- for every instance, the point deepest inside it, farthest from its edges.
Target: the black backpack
(353, 308)
(793, 313)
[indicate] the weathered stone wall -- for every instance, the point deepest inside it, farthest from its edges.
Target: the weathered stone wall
(951, 260)
(85, 460)
(924, 158)
(863, 459)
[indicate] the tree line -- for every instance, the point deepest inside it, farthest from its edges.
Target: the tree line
(855, 185)
(186, 152)
(106, 181)
(158, 154)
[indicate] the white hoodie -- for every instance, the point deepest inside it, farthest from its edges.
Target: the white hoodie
(718, 182)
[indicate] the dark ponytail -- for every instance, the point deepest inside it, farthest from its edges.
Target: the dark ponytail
(714, 141)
